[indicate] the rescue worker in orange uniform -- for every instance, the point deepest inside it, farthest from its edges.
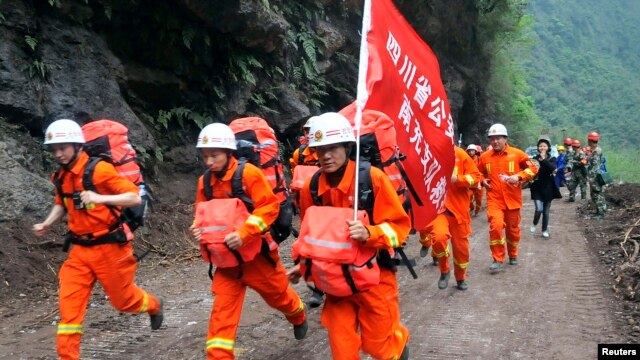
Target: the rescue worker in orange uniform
(102, 249)
(503, 168)
(264, 275)
(304, 155)
(454, 222)
(477, 192)
(376, 311)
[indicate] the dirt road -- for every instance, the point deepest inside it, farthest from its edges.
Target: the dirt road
(553, 305)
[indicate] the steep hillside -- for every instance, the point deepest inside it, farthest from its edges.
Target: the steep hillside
(584, 69)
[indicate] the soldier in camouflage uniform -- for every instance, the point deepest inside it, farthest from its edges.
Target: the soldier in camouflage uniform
(578, 162)
(594, 167)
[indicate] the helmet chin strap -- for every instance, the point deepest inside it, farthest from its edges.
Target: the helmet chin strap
(220, 174)
(76, 151)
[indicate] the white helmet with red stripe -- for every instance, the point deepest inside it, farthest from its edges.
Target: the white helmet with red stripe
(63, 131)
(217, 135)
(330, 128)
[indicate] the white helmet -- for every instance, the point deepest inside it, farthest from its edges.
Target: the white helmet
(330, 128)
(472, 147)
(63, 131)
(497, 129)
(217, 135)
(307, 125)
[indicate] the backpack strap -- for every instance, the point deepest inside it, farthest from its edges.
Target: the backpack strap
(206, 182)
(313, 188)
(365, 189)
(302, 148)
(57, 182)
(237, 189)
(87, 184)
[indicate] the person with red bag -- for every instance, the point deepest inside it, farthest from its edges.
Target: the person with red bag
(365, 318)
(243, 252)
(102, 249)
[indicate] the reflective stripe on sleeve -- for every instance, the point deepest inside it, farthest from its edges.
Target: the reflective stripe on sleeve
(469, 180)
(257, 222)
(391, 235)
(529, 172)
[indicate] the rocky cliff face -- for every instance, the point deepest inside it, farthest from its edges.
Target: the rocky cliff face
(164, 68)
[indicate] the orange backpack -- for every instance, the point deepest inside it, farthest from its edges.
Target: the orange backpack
(329, 259)
(378, 147)
(302, 173)
(217, 218)
(108, 139)
(257, 144)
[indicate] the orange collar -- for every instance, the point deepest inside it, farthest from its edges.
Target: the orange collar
(231, 169)
(345, 183)
(80, 163)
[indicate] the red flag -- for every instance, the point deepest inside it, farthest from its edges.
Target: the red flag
(400, 76)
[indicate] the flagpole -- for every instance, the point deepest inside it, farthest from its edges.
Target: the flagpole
(362, 95)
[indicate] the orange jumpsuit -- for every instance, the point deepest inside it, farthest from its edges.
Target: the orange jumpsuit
(310, 157)
(504, 200)
(476, 193)
(377, 310)
(454, 221)
(230, 284)
(113, 265)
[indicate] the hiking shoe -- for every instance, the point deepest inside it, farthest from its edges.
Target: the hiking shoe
(443, 282)
(424, 251)
(300, 331)
(434, 262)
(513, 261)
(532, 229)
(496, 267)
(156, 320)
(316, 299)
(462, 285)
(545, 234)
(405, 353)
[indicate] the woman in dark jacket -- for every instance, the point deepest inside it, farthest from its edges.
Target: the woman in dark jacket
(543, 188)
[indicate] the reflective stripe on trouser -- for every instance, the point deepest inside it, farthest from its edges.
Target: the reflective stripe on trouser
(114, 266)
(375, 312)
(229, 290)
(509, 220)
(440, 235)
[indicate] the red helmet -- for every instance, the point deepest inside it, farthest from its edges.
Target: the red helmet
(593, 136)
(567, 141)
(575, 143)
